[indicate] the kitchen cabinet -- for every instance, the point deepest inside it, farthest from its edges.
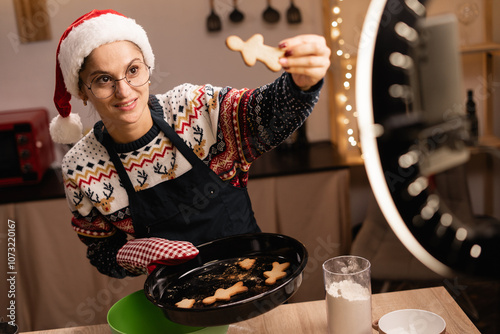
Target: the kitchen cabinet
(312, 208)
(55, 285)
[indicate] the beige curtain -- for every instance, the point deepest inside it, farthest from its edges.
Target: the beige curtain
(55, 284)
(312, 208)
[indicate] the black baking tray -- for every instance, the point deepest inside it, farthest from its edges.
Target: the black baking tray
(215, 267)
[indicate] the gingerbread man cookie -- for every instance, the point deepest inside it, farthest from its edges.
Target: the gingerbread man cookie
(225, 294)
(185, 303)
(246, 263)
(254, 49)
(278, 272)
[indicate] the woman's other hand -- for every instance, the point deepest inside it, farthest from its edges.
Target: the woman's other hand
(307, 58)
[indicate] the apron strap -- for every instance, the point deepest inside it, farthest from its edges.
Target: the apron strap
(115, 158)
(176, 140)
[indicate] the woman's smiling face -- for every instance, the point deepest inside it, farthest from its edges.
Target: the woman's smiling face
(127, 108)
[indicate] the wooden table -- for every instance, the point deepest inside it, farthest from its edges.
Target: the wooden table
(310, 317)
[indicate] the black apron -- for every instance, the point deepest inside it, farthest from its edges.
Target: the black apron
(196, 206)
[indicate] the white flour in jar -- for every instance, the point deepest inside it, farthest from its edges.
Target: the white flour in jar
(349, 308)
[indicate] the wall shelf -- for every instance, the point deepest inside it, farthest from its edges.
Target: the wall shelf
(483, 47)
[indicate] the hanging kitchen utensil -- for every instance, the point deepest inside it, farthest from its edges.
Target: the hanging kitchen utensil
(236, 16)
(270, 15)
(293, 15)
(213, 20)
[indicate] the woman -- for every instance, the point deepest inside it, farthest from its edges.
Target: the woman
(159, 173)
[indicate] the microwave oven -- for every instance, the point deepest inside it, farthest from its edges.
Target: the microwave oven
(26, 149)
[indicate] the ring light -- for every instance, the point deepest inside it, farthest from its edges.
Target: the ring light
(412, 127)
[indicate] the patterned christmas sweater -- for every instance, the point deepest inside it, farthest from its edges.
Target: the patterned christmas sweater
(227, 128)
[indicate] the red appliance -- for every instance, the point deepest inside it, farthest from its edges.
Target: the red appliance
(26, 149)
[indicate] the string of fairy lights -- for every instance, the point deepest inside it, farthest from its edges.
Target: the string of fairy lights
(345, 64)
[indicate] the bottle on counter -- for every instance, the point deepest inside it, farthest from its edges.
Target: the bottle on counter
(472, 120)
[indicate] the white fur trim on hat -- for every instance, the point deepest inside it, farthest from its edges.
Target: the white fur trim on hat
(91, 34)
(66, 130)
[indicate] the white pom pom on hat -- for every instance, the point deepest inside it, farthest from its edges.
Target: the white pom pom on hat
(66, 130)
(87, 33)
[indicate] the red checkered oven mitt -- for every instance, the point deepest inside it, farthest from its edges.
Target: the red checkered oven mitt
(141, 256)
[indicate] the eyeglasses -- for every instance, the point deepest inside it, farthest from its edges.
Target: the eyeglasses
(104, 85)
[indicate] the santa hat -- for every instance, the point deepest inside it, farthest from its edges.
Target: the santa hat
(87, 33)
